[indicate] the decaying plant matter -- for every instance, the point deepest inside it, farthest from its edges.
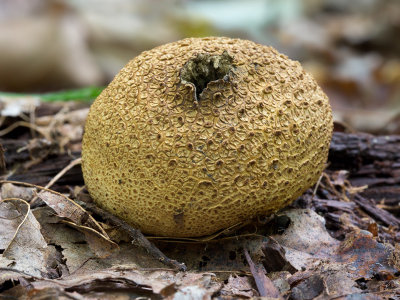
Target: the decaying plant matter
(339, 238)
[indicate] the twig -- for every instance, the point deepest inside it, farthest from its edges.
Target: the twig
(21, 223)
(4, 269)
(317, 186)
(136, 235)
(21, 124)
(377, 213)
(32, 118)
(57, 177)
(264, 285)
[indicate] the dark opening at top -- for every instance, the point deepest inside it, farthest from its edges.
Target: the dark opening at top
(205, 68)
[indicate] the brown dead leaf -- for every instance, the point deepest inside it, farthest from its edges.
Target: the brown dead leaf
(366, 257)
(194, 285)
(116, 283)
(10, 218)
(78, 218)
(78, 255)
(265, 286)
(275, 257)
(306, 239)
(11, 274)
(308, 244)
(66, 208)
(335, 282)
(72, 244)
(101, 245)
(24, 246)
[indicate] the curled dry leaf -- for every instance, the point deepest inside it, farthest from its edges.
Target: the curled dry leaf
(24, 247)
(78, 218)
(66, 208)
(307, 241)
(77, 254)
(306, 238)
(28, 292)
(71, 243)
(333, 266)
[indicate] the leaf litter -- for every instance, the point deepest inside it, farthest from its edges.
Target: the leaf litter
(331, 243)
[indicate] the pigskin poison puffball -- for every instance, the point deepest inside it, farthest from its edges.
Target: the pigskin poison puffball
(201, 134)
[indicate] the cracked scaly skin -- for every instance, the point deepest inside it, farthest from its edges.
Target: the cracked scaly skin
(172, 166)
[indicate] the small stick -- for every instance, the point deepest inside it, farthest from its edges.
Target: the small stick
(317, 186)
(57, 177)
(136, 235)
(265, 286)
(21, 124)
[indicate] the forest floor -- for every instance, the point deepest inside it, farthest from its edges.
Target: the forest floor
(337, 241)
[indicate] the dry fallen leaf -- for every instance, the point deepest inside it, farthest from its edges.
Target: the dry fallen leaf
(78, 218)
(365, 257)
(306, 239)
(76, 252)
(24, 247)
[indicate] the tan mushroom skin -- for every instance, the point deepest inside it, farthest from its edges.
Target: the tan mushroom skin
(201, 134)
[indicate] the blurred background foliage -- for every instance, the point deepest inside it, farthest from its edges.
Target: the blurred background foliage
(351, 47)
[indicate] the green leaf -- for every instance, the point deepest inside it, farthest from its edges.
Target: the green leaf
(83, 94)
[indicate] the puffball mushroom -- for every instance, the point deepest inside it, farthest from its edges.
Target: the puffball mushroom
(201, 134)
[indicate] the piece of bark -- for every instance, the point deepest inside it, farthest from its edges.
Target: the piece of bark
(375, 212)
(275, 257)
(373, 161)
(355, 150)
(12, 151)
(334, 204)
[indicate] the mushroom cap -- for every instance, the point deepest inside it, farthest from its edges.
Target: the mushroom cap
(201, 134)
